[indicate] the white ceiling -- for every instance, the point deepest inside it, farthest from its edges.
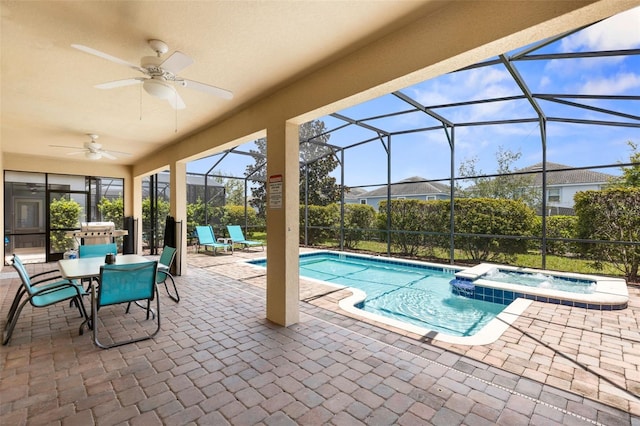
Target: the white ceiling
(251, 48)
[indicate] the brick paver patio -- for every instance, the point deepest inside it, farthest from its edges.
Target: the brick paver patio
(218, 361)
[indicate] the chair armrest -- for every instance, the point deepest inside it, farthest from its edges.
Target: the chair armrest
(40, 274)
(59, 285)
(44, 280)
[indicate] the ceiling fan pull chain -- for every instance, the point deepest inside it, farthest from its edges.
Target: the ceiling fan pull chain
(176, 111)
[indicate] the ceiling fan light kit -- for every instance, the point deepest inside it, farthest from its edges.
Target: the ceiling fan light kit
(93, 155)
(158, 88)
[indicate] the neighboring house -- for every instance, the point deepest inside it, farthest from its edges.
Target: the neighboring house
(563, 184)
(411, 188)
(352, 196)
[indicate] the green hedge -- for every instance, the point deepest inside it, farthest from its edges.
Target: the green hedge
(358, 218)
(614, 215)
(558, 227)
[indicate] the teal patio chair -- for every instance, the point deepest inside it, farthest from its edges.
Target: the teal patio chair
(120, 284)
(97, 250)
(237, 237)
(207, 238)
(164, 271)
(40, 293)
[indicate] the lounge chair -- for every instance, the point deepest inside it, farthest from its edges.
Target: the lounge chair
(207, 238)
(237, 237)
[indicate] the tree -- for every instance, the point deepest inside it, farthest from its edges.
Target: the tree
(318, 161)
(506, 185)
(631, 174)
(257, 173)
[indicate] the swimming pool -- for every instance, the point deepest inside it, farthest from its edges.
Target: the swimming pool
(452, 304)
(413, 296)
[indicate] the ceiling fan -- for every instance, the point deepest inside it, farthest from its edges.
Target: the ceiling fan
(159, 74)
(93, 150)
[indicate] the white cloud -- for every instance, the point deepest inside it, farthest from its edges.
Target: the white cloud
(614, 85)
(621, 31)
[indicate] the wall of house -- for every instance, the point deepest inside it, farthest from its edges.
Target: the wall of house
(567, 192)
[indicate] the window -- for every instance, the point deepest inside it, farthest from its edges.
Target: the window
(553, 195)
(363, 201)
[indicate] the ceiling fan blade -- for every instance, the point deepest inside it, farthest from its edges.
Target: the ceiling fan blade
(176, 101)
(108, 57)
(216, 91)
(105, 154)
(120, 83)
(176, 62)
(111, 152)
(65, 146)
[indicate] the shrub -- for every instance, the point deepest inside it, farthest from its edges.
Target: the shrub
(492, 216)
(558, 227)
(614, 215)
(65, 214)
(357, 219)
(322, 221)
(410, 219)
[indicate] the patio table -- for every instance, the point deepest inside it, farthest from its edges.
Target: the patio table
(89, 267)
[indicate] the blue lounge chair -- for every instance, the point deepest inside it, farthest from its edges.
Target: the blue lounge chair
(207, 238)
(237, 237)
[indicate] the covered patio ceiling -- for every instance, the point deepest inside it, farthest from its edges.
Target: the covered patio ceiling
(251, 48)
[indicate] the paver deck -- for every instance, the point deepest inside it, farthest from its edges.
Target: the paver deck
(218, 361)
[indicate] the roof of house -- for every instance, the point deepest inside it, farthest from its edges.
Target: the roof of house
(415, 185)
(353, 194)
(566, 177)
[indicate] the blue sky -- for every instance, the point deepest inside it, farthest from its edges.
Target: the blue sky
(426, 154)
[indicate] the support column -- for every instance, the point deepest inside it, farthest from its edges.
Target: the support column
(283, 201)
(178, 209)
(136, 210)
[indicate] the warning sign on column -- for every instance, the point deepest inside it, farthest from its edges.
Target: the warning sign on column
(275, 192)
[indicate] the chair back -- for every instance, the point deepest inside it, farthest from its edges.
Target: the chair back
(97, 250)
(167, 256)
(22, 272)
(205, 234)
(126, 283)
(235, 232)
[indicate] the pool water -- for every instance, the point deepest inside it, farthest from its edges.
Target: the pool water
(541, 280)
(411, 293)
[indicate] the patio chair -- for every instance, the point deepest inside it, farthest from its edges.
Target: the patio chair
(164, 271)
(237, 237)
(207, 238)
(40, 293)
(97, 250)
(121, 284)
